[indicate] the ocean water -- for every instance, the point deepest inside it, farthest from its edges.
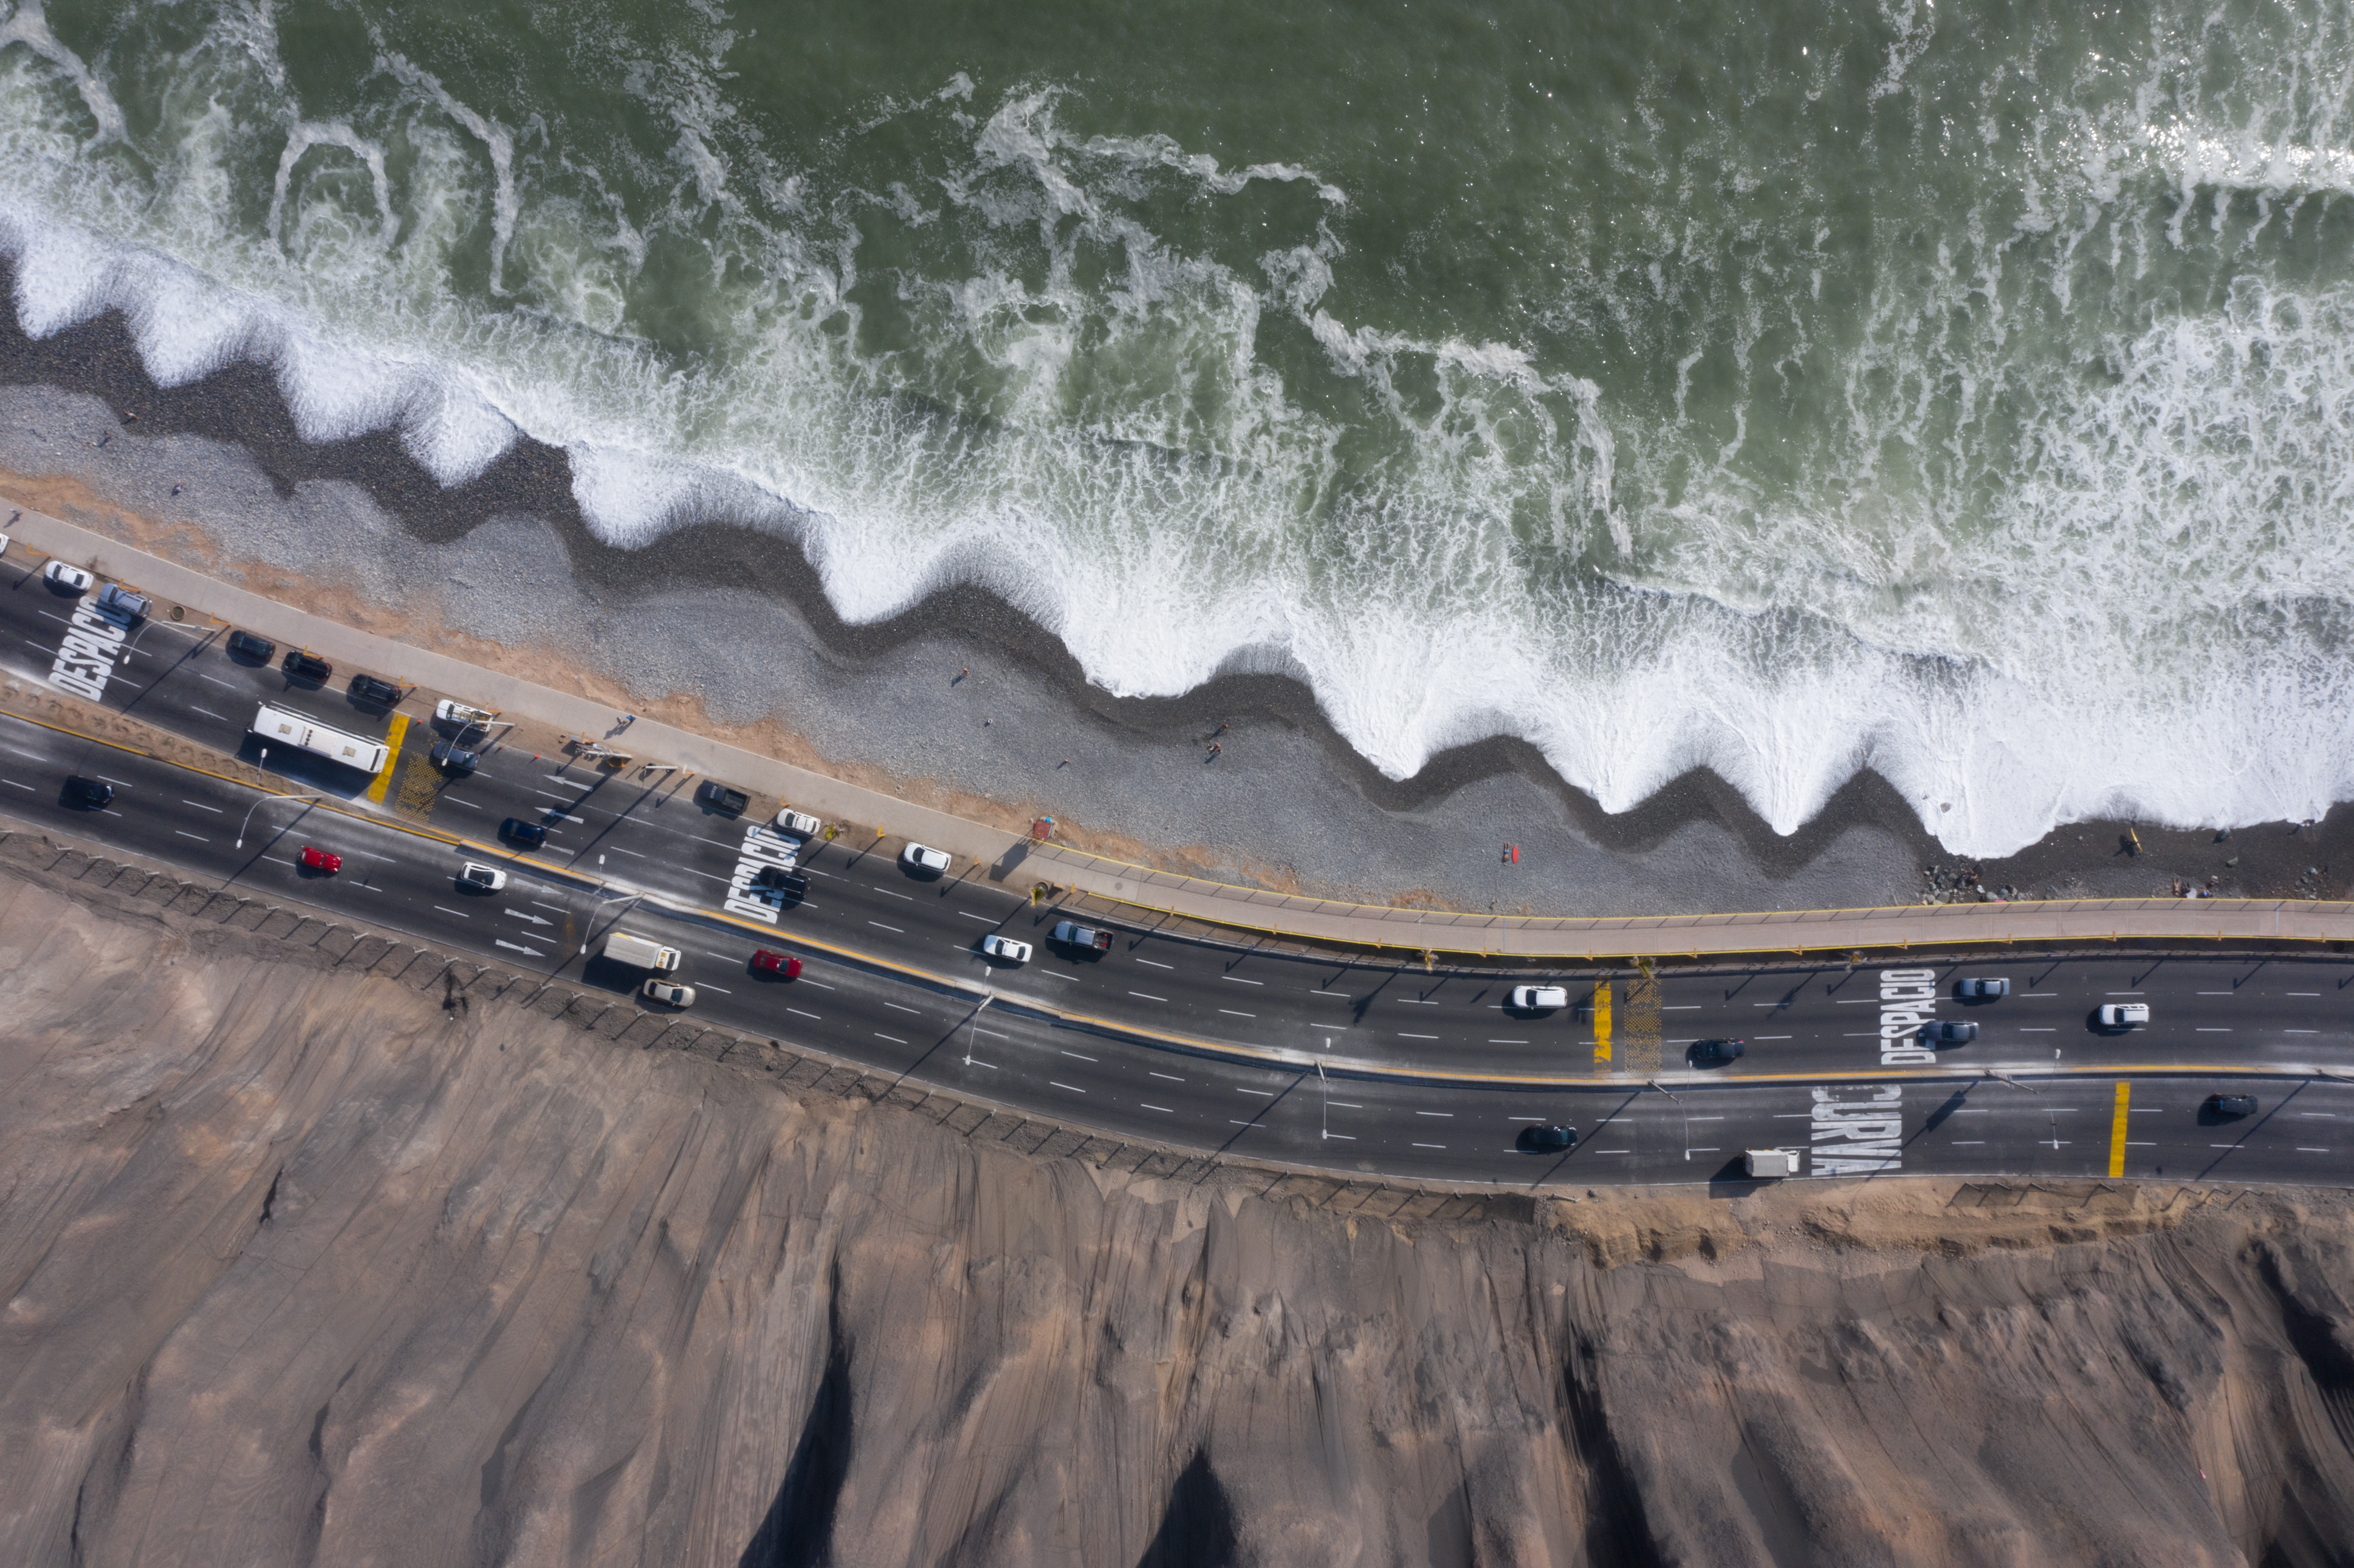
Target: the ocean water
(1960, 391)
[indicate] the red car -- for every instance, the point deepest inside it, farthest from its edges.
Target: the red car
(320, 860)
(765, 962)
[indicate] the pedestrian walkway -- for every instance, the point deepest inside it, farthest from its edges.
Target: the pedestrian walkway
(1019, 863)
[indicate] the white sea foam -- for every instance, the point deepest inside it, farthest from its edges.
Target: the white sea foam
(2042, 566)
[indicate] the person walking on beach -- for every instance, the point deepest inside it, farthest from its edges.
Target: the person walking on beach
(1215, 749)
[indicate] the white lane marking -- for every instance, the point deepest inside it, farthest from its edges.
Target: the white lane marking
(2318, 1116)
(896, 1008)
(1170, 1076)
(2300, 1031)
(1154, 962)
(546, 796)
(1057, 974)
(2300, 993)
(200, 806)
(1232, 1122)
(118, 783)
(2131, 1144)
(1447, 1114)
(819, 984)
(2121, 993)
(1683, 1007)
(2039, 1032)
(27, 788)
(455, 800)
(2214, 993)
(619, 849)
(1417, 1001)
(2212, 1031)
(1430, 1146)
(983, 919)
(1761, 1004)
(559, 908)
(461, 914)
(888, 894)
(1164, 1110)
(1263, 1094)
(978, 1063)
(1404, 1036)
(2223, 1146)
(209, 714)
(1239, 981)
(1769, 1037)
(2303, 1149)
(1076, 1056)
(515, 948)
(223, 685)
(1230, 1013)
(811, 1016)
(893, 1038)
(707, 953)
(720, 988)
(1507, 1042)
(1147, 996)
(1342, 994)
(1344, 1105)
(1968, 1142)
(198, 837)
(877, 924)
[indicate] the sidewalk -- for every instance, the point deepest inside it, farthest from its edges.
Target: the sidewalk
(1018, 864)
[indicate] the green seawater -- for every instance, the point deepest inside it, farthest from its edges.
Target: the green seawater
(1961, 390)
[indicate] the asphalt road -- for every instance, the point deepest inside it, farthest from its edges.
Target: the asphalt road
(1128, 1042)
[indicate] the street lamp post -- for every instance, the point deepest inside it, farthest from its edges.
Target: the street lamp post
(975, 1025)
(314, 799)
(590, 931)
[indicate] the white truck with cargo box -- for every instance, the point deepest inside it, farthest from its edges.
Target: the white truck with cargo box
(1768, 1163)
(641, 954)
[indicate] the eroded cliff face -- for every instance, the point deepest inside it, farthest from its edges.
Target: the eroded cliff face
(308, 1267)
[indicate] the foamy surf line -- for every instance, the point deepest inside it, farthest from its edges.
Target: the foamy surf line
(1143, 397)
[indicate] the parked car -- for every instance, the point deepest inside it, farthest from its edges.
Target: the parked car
(1979, 989)
(924, 858)
(2123, 1014)
(2231, 1105)
(515, 830)
(120, 600)
(245, 645)
(783, 965)
(320, 861)
(306, 665)
(1546, 1140)
(476, 877)
(1947, 1031)
(374, 689)
(1538, 997)
(452, 757)
(66, 577)
(711, 792)
(797, 824)
(670, 991)
(1005, 949)
(3, 544)
(1718, 1050)
(458, 714)
(1093, 939)
(92, 792)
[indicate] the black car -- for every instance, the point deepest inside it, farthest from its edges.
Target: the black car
(452, 757)
(84, 791)
(306, 665)
(777, 888)
(1718, 1050)
(374, 689)
(245, 645)
(517, 831)
(719, 798)
(1546, 1140)
(1943, 1032)
(2231, 1105)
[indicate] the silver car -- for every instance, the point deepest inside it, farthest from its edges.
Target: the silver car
(670, 992)
(1538, 997)
(1005, 949)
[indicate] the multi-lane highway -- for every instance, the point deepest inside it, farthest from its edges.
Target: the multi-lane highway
(1346, 1063)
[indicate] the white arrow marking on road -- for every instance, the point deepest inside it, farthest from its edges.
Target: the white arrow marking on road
(513, 948)
(535, 919)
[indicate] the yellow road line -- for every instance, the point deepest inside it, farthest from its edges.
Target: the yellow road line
(1602, 1026)
(2118, 1133)
(393, 732)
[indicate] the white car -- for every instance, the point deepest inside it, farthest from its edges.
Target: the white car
(1005, 949)
(670, 992)
(2124, 1014)
(797, 824)
(65, 575)
(481, 878)
(923, 858)
(449, 712)
(1539, 998)
(3, 544)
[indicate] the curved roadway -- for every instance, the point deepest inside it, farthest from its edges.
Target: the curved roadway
(1339, 1063)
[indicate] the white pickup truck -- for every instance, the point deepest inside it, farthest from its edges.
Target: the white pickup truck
(639, 953)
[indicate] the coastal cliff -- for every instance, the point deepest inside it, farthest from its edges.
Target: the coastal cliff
(305, 1264)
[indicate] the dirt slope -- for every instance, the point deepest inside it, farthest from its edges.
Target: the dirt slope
(302, 1266)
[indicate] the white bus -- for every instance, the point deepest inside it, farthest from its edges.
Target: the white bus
(277, 726)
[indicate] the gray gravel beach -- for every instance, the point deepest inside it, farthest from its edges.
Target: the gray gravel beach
(962, 699)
